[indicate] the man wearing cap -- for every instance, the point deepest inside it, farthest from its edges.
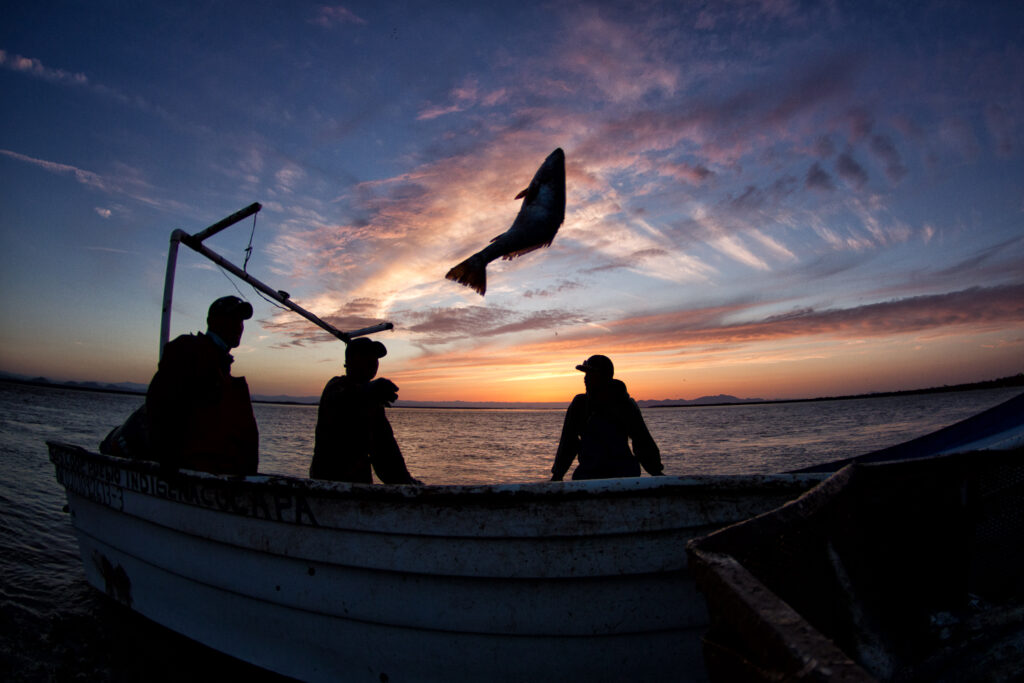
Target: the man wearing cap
(352, 432)
(200, 417)
(598, 426)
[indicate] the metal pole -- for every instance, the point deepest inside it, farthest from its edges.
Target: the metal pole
(165, 318)
(227, 222)
(281, 297)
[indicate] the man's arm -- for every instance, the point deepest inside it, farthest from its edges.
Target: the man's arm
(644, 447)
(569, 442)
(385, 455)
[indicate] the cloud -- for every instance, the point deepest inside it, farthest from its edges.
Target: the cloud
(614, 58)
(558, 288)
(127, 182)
(103, 213)
(330, 16)
(885, 150)
(346, 317)
(860, 121)
(824, 147)
(445, 325)
(461, 98)
(731, 327)
(694, 174)
(434, 326)
(33, 67)
(722, 14)
(997, 260)
(288, 177)
(109, 250)
(851, 171)
(731, 121)
(818, 178)
(1004, 127)
(82, 176)
(676, 331)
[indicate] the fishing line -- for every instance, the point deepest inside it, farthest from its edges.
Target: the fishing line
(222, 272)
(245, 268)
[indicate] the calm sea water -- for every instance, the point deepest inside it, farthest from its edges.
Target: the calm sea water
(53, 626)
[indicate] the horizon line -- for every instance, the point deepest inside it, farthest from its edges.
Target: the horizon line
(702, 401)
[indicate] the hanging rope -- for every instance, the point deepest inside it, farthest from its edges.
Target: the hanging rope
(248, 249)
(245, 266)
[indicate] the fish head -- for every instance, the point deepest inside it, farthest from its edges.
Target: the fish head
(553, 168)
(548, 184)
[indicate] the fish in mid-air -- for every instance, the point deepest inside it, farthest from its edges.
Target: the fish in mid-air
(539, 218)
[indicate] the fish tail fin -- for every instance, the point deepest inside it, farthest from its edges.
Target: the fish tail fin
(472, 272)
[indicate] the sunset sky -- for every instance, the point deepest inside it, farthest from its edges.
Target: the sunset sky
(772, 198)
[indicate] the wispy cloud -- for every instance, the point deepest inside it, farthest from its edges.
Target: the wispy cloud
(442, 326)
(466, 96)
(818, 178)
(330, 16)
(614, 58)
(109, 250)
(695, 330)
(33, 67)
(82, 176)
(127, 182)
(851, 171)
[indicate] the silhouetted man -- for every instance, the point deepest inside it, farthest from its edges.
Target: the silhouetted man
(598, 426)
(352, 432)
(199, 416)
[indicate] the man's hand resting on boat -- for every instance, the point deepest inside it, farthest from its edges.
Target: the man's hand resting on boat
(383, 390)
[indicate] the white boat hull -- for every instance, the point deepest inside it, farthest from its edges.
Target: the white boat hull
(331, 581)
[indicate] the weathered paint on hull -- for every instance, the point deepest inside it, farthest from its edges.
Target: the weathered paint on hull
(328, 581)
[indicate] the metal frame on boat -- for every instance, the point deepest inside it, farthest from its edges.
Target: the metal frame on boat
(195, 242)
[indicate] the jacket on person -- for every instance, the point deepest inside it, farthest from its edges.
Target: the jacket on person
(199, 416)
(352, 435)
(597, 430)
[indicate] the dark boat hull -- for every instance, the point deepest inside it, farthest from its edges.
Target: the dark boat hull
(909, 570)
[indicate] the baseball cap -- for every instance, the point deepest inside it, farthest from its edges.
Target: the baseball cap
(598, 363)
(230, 307)
(363, 346)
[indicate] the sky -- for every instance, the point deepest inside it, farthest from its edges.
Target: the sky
(769, 198)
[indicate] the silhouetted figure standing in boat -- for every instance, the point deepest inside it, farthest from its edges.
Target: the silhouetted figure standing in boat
(598, 427)
(352, 432)
(199, 416)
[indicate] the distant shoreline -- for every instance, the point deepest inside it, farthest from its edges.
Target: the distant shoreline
(1002, 383)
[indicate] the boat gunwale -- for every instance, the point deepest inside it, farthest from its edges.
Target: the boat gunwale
(695, 485)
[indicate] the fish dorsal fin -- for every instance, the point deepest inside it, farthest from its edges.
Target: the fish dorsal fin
(531, 191)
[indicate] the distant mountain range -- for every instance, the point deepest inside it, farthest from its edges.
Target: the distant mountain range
(120, 387)
(721, 399)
